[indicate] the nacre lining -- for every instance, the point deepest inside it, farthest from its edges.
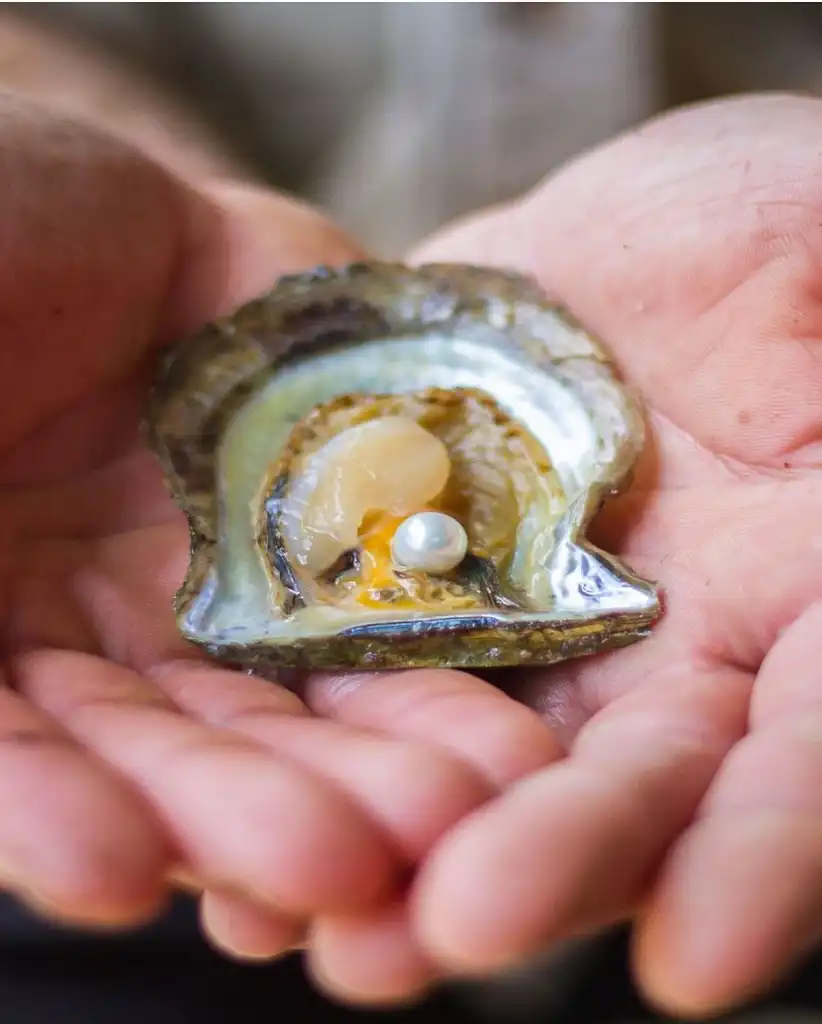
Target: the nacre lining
(388, 366)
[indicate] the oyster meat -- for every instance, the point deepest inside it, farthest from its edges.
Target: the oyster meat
(392, 467)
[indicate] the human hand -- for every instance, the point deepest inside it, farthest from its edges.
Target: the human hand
(690, 797)
(124, 760)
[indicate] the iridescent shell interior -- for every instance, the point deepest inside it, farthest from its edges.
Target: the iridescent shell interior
(299, 434)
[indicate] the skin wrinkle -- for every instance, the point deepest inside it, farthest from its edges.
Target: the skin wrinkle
(247, 716)
(20, 631)
(704, 355)
(747, 468)
(733, 467)
(560, 705)
(694, 738)
(34, 738)
(70, 510)
(141, 697)
(194, 684)
(92, 436)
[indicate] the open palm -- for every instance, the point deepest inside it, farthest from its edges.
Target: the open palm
(690, 796)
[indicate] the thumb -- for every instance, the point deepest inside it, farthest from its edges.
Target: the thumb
(103, 251)
(238, 239)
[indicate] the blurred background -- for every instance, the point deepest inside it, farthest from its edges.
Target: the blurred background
(394, 117)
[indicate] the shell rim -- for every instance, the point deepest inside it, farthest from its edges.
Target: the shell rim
(509, 291)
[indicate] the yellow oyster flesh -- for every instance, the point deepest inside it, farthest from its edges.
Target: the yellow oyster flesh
(390, 464)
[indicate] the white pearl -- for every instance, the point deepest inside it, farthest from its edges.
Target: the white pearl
(429, 542)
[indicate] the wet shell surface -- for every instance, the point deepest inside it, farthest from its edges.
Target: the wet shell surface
(390, 467)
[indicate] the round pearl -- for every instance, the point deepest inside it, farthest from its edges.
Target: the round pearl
(429, 542)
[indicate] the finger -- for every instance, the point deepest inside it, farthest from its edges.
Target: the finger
(126, 590)
(245, 930)
(236, 241)
(412, 792)
(458, 712)
(572, 846)
(88, 282)
(74, 842)
(241, 817)
(740, 898)
(369, 959)
(111, 597)
(81, 271)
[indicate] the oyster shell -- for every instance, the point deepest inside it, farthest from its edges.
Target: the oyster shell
(300, 432)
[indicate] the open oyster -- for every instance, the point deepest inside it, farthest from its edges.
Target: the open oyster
(393, 467)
